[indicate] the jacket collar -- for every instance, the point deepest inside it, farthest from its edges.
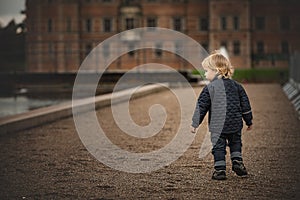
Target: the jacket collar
(217, 77)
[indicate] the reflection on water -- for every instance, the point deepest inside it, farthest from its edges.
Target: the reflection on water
(20, 104)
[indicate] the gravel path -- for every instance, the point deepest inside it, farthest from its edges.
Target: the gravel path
(50, 162)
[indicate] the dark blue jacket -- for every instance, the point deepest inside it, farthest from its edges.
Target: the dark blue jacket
(227, 104)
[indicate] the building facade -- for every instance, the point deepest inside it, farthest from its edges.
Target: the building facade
(256, 33)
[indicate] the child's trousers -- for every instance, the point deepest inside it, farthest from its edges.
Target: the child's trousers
(220, 142)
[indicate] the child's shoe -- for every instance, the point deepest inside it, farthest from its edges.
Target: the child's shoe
(219, 175)
(239, 168)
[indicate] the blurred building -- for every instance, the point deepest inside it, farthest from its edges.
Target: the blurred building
(12, 47)
(256, 33)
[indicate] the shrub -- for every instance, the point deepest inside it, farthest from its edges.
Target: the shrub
(257, 75)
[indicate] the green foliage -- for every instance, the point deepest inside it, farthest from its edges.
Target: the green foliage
(261, 75)
(200, 72)
(257, 75)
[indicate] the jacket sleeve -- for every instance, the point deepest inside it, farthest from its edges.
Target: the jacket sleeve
(245, 105)
(202, 106)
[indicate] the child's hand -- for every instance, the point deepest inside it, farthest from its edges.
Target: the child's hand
(249, 128)
(193, 129)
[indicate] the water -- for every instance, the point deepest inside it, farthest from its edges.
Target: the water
(20, 104)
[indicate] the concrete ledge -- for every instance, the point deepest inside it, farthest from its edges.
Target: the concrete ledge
(49, 114)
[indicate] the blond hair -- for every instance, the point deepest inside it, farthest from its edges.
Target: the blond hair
(219, 63)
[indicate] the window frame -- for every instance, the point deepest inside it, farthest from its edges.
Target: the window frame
(104, 24)
(236, 48)
(175, 24)
(88, 25)
(260, 47)
(285, 23)
(236, 23)
(129, 23)
(50, 25)
(149, 21)
(203, 24)
(260, 23)
(285, 49)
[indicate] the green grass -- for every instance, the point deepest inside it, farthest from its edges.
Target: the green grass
(258, 75)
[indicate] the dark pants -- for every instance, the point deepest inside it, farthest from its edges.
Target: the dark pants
(234, 142)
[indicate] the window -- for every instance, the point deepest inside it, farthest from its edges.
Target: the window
(236, 23)
(105, 50)
(284, 47)
(223, 44)
(51, 49)
(69, 25)
(132, 52)
(107, 25)
(129, 23)
(178, 47)
(177, 24)
(284, 23)
(236, 48)
(128, 2)
(223, 23)
(158, 51)
(260, 47)
(259, 23)
(49, 25)
(68, 48)
(205, 45)
(88, 25)
(203, 24)
(88, 48)
(151, 22)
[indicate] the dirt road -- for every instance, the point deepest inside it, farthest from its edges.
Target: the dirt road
(50, 162)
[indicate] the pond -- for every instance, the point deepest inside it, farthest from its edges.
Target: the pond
(12, 105)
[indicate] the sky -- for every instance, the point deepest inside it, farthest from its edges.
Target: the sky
(10, 9)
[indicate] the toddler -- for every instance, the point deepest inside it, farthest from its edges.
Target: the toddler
(228, 105)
